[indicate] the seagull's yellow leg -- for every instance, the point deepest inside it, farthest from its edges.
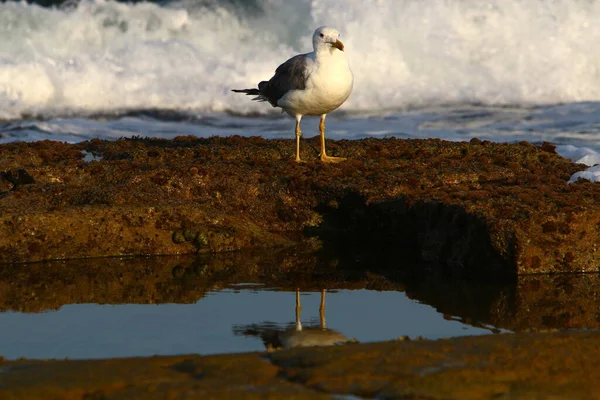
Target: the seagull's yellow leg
(298, 309)
(322, 309)
(324, 156)
(298, 135)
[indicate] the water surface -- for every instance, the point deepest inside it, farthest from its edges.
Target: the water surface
(209, 326)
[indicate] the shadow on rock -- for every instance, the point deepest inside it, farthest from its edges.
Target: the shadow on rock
(430, 236)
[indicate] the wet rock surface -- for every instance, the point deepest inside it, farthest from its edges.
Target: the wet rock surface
(466, 208)
(540, 366)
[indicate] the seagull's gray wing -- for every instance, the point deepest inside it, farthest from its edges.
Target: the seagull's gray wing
(291, 75)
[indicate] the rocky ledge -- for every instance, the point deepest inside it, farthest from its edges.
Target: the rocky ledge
(526, 366)
(469, 208)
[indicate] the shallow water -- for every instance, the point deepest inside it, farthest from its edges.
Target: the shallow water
(216, 323)
(240, 302)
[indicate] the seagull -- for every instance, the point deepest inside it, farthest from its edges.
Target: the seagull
(314, 83)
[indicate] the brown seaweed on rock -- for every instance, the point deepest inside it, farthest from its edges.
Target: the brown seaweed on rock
(469, 207)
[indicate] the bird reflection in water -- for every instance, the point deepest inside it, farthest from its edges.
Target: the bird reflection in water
(275, 337)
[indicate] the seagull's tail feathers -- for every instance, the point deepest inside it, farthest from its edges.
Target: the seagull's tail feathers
(260, 96)
(251, 92)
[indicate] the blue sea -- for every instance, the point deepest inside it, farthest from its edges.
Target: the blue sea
(506, 70)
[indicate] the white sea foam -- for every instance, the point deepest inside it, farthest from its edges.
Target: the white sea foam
(582, 155)
(591, 174)
(107, 57)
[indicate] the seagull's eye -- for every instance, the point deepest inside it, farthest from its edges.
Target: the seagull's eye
(322, 35)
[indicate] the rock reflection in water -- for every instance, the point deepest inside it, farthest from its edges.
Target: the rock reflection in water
(554, 302)
(275, 337)
(525, 303)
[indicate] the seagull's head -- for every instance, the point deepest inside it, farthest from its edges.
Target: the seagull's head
(327, 38)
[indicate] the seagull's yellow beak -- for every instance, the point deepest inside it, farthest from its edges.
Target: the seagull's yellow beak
(338, 45)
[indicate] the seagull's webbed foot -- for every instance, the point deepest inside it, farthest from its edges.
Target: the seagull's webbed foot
(326, 158)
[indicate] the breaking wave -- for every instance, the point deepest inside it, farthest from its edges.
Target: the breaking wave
(105, 57)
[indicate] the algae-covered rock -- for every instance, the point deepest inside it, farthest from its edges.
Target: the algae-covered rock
(470, 208)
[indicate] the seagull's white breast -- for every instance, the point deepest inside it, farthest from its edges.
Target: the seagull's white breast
(328, 85)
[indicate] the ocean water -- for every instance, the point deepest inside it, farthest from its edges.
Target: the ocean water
(502, 70)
